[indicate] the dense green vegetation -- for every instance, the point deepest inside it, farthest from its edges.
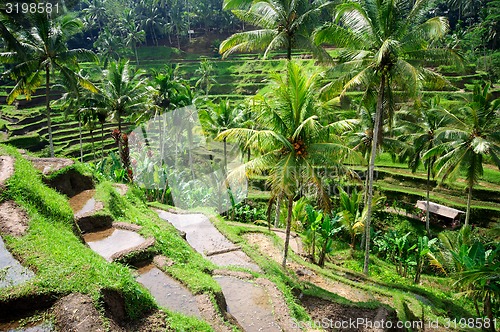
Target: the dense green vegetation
(354, 111)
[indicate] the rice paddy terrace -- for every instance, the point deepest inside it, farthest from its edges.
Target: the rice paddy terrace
(24, 124)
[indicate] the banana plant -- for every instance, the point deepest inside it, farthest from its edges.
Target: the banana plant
(313, 223)
(423, 252)
(350, 215)
(479, 278)
(329, 227)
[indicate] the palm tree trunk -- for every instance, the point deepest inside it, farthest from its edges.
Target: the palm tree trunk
(427, 202)
(136, 56)
(47, 104)
(160, 129)
(93, 146)
(289, 49)
(469, 198)
(313, 251)
(322, 255)
(80, 136)
(119, 121)
(288, 227)
(225, 157)
(102, 140)
(371, 167)
(278, 206)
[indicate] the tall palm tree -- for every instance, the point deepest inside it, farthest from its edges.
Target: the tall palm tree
(123, 91)
(284, 24)
(206, 72)
(423, 125)
(222, 117)
(134, 35)
(294, 142)
(385, 44)
(70, 102)
(44, 51)
(475, 135)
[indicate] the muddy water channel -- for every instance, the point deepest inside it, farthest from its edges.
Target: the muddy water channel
(36, 327)
(83, 203)
(112, 240)
(202, 235)
(11, 271)
(249, 304)
(168, 292)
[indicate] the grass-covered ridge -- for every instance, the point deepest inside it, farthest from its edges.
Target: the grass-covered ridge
(63, 264)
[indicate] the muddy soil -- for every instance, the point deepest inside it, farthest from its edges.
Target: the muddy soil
(13, 219)
(84, 203)
(263, 243)
(6, 169)
(70, 183)
(335, 317)
(76, 313)
(50, 165)
(295, 242)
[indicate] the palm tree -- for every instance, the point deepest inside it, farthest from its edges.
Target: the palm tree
(294, 142)
(206, 72)
(134, 35)
(70, 102)
(284, 25)
(423, 126)
(44, 50)
(123, 91)
(385, 44)
(222, 117)
(476, 134)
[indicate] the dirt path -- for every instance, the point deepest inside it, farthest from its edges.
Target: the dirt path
(264, 244)
(13, 219)
(6, 169)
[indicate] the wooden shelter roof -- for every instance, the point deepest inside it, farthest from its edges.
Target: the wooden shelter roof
(439, 209)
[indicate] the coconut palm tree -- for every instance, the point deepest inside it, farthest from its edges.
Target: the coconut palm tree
(385, 44)
(134, 35)
(44, 51)
(206, 72)
(283, 24)
(294, 142)
(475, 135)
(222, 117)
(123, 91)
(423, 126)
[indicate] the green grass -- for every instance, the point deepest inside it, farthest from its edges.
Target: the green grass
(190, 267)
(62, 263)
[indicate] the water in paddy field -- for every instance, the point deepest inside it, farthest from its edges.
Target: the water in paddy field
(11, 271)
(249, 304)
(34, 327)
(204, 237)
(84, 202)
(112, 240)
(168, 292)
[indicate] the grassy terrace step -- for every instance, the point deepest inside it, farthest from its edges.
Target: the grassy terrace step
(481, 210)
(70, 129)
(74, 150)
